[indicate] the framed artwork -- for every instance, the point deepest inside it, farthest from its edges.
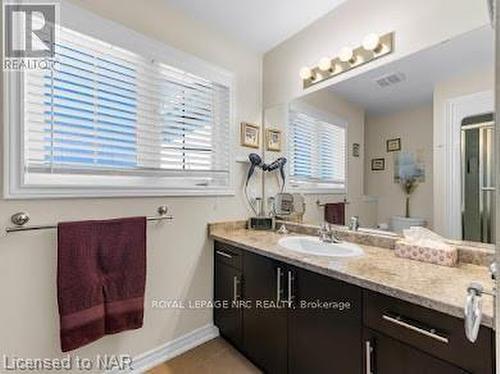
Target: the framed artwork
(393, 145)
(409, 165)
(355, 150)
(378, 164)
(250, 135)
(273, 140)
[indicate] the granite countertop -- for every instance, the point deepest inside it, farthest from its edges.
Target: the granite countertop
(436, 287)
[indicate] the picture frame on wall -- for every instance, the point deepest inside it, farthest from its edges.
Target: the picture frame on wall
(356, 149)
(273, 140)
(393, 145)
(250, 135)
(378, 164)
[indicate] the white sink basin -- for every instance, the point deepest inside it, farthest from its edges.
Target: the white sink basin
(313, 246)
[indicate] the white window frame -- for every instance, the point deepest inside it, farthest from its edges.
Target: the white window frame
(318, 188)
(15, 185)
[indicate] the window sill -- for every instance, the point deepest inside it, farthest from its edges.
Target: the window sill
(317, 191)
(100, 193)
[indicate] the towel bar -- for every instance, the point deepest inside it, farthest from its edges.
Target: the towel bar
(322, 205)
(22, 218)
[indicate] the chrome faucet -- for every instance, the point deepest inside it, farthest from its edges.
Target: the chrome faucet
(327, 235)
(354, 223)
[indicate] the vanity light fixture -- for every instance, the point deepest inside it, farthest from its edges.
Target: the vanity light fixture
(346, 54)
(373, 46)
(371, 43)
(306, 73)
(325, 64)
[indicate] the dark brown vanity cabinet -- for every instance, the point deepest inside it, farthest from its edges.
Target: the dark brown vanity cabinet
(385, 355)
(409, 336)
(324, 325)
(299, 321)
(227, 290)
(265, 318)
(292, 320)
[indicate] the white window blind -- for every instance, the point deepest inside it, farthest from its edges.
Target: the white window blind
(107, 112)
(317, 152)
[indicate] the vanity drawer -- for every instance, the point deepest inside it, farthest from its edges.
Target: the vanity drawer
(228, 255)
(433, 332)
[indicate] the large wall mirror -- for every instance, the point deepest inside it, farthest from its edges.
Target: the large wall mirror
(409, 143)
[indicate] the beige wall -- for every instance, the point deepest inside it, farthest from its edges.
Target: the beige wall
(350, 22)
(179, 255)
(414, 127)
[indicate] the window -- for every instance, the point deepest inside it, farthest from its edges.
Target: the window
(317, 152)
(108, 119)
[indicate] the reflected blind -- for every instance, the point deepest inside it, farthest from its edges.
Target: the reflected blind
(317, 151)
(107, 111)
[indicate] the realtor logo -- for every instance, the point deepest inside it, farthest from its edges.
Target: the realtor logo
(29, 30)
(29, 35)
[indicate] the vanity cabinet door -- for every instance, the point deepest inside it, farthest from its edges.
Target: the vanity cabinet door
(227, 289)
(325, 324)
(385, 355)
(265, 320)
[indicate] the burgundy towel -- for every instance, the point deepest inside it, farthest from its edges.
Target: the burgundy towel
(101, 277)
(335, 213)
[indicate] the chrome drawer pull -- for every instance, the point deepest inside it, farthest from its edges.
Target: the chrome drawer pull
(430, 333)
(236, 282)
(224, 254)
(290, 288)
(278, 285)
(368, 352)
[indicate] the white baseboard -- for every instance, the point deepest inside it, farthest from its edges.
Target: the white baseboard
(171, 349)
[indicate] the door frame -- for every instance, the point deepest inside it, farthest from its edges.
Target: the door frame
(457, 109)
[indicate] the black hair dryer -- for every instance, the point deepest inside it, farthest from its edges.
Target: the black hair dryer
(255, 161)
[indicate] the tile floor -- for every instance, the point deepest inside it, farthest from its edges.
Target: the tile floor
(214, 357)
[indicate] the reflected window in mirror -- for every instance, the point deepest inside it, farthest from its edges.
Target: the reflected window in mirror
(317, 148)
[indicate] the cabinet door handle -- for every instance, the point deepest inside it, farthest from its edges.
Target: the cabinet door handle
(368, 356)
(278, 285)
(236, 283)
(224, 254)
(429, 332)
(290, 287)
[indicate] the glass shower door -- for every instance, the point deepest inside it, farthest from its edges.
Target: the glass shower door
(478, 182)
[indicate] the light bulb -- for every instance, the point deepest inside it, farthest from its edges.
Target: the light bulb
(325, 64)
(346, 55)
(371, 42)
(306, 73)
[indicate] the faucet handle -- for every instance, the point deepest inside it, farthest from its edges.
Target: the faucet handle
(325, 227)
(354, 223)
(493, 270)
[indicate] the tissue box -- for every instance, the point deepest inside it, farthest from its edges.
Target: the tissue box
(444, 255)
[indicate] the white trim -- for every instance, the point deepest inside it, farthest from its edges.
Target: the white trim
(457, 109)
(34, 194)
(80, 20)
(171, 349)
(317, 191)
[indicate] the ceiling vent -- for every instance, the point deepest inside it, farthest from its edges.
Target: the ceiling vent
(390, 79)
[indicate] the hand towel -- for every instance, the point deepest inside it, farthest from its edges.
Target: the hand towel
(335, 213)
(101, 278)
